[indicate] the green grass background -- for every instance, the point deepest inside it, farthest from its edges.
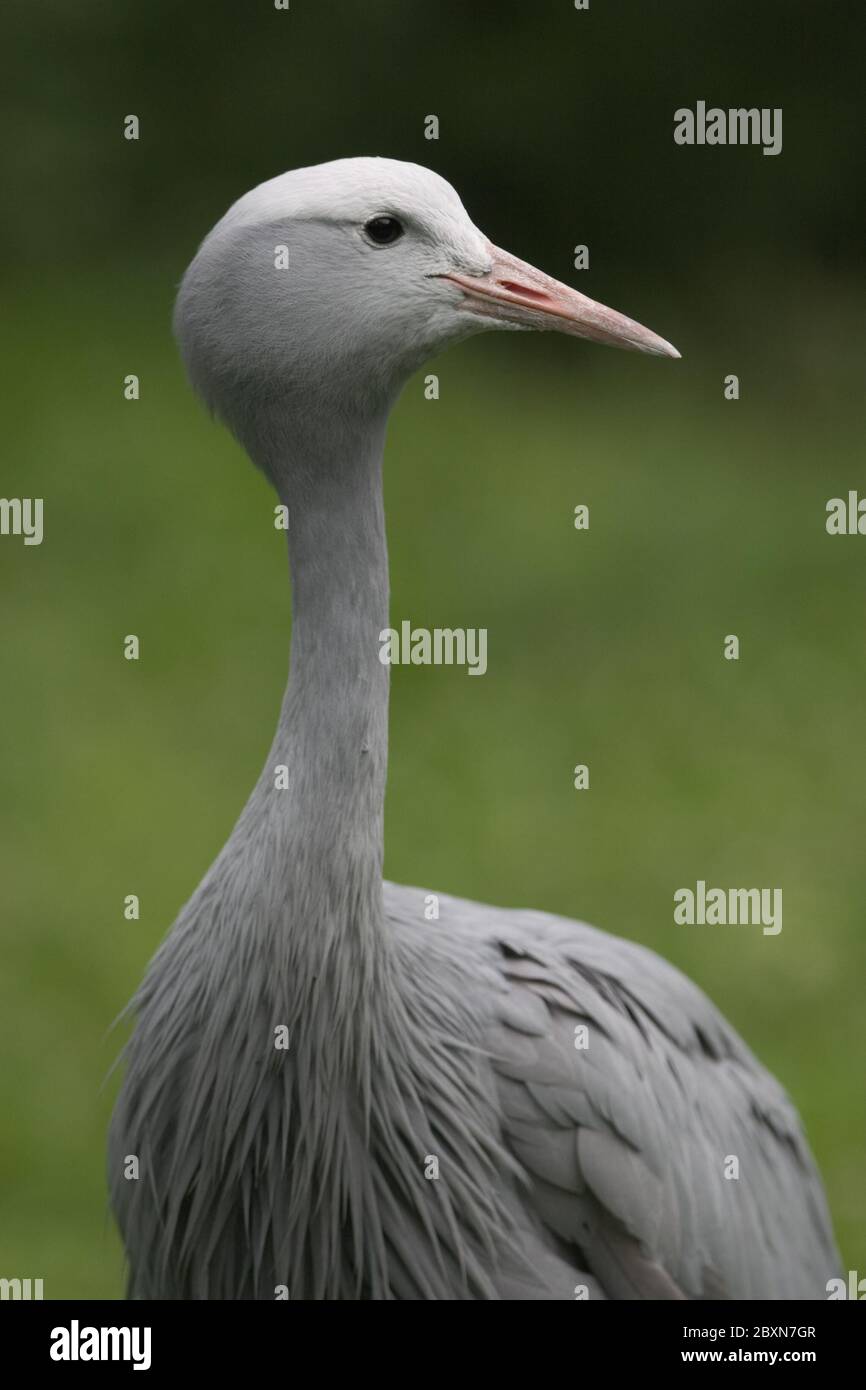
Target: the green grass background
(605, 647)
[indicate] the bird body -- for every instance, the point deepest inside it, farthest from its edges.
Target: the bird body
(329, 1094)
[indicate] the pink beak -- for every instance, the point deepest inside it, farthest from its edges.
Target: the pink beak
(515, 292)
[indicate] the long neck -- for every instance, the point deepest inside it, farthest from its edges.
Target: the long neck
(382, 1062)
(318, 807)
(333, 729)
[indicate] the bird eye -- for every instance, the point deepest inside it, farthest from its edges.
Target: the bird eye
(384, 230)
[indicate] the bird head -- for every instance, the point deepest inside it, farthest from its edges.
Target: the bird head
(336, 282)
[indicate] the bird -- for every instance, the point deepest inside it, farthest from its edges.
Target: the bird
(327, 1095)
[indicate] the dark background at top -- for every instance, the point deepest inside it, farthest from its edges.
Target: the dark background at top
(541, 107)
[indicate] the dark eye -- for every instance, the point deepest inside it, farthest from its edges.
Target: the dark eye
(384, 230)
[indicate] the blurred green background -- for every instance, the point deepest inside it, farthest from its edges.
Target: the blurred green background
(605, 647)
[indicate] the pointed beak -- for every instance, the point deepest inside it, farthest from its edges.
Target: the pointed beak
(515, 292)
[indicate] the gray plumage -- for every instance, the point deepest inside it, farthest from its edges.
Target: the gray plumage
(561, 1169)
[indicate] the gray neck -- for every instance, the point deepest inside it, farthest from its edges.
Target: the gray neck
(333, 729)
(383, 1063)
(319, 841)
